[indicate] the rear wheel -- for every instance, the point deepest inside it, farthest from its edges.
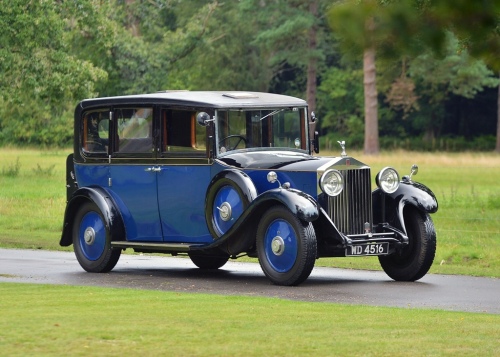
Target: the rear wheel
(208, 261)
(415, 259)
(91, 240)
(286, 247)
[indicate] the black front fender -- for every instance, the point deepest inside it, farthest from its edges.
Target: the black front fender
(99, 196)
(389, 207)
(241, 236)
(301, 204)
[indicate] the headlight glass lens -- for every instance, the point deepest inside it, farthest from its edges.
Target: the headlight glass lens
(388, 180)
(332, 182)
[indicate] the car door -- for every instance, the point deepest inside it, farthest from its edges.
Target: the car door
(133, 172)
(183, 177)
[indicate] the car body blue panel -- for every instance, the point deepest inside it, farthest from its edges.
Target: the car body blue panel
(135, 191)
(181, 197)
(303, 181)
(92, 175)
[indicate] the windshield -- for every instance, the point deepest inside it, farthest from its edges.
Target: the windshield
(281, 128)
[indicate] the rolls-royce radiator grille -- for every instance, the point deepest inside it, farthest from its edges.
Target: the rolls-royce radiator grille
(353, 207)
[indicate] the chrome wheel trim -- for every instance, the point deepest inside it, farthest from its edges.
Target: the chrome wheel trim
(278, 245)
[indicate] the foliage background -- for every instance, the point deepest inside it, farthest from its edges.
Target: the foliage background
(54, 54)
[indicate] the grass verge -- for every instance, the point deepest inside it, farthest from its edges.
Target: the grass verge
(65, 320)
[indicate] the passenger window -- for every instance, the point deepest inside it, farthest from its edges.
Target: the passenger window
(181, 134)
(96, 132)
(135, 130)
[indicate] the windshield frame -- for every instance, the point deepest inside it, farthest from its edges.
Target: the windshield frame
(270, 115)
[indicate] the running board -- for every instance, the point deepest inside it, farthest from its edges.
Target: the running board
(152, 247)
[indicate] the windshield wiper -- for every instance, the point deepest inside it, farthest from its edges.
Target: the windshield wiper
(272, 113)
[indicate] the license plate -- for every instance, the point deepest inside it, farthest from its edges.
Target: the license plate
(368, 249)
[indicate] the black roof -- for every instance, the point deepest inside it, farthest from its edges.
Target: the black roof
(209, 99)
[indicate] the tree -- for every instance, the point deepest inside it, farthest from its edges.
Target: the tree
(225, 57)
(456, 73)
(290, 35)
(340, 102)
(358, 25)
(371, 103)
(34, 54)
(497, 147)
(151, 38)
(41, 77)
(403, 28)
(476, 24)
(312, 64)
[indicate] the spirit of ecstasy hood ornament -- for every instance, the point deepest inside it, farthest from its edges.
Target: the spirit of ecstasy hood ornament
(342, 145)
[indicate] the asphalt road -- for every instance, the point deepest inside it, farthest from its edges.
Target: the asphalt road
(444, 292)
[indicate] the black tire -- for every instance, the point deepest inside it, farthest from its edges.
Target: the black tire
(91, 240)
(203, 261)
(286, 247)
(415, 259)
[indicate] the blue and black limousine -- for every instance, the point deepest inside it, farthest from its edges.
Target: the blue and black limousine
(221, 175)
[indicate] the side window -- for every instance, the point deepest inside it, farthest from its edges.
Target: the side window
(134, 130)
(96, 132)
(181, 134)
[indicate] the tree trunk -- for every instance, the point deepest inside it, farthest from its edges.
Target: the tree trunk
(312, 65)
(312, 69)
(497, 148)
(371, 103)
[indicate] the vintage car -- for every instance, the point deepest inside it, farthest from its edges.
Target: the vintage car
(220, 175)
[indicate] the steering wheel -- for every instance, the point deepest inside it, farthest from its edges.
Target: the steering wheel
(241, 138)
(95, 145)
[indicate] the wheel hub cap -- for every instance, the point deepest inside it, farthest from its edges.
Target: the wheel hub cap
(278, 245)
(89, 235)
(225, 211)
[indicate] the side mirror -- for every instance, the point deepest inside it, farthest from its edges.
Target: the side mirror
(203, 118)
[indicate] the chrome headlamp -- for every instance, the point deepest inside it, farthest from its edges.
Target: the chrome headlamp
(332, 182)
(387, 180)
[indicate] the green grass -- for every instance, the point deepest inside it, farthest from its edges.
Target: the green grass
(48, 320)
(32, 201)
(32, 205)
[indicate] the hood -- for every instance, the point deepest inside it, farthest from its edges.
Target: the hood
(287, 160)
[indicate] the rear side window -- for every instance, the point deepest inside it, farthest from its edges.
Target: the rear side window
(96, 133)
(181, 134)
(134, 130)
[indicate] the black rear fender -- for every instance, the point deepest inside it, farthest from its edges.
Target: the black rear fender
(99, 196)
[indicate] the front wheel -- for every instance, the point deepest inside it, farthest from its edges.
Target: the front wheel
(92, 242)
(415, 259)
(226, 204)
(286, 247)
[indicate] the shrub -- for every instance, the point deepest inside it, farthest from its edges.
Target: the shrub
(12, 170)
(48, 172)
